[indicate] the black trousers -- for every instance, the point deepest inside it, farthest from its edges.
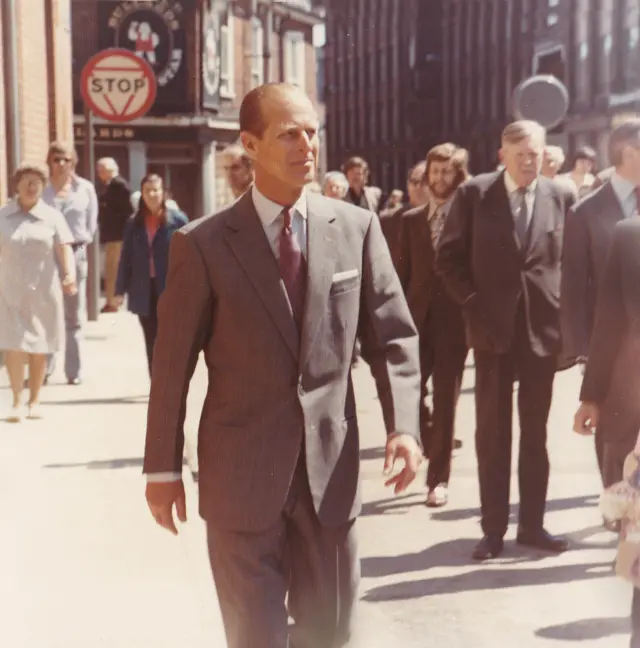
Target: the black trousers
(426, 371)
(149, 324)
(495, 375)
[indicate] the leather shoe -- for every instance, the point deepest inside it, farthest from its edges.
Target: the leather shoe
(541, 539)
(490, 546)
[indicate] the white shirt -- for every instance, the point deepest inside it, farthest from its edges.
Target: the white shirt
(272, 218)
(514, 197)
(625, 191)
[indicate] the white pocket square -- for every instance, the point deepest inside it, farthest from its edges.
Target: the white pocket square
(343, 276)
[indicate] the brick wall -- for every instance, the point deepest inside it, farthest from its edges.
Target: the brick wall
(61, 72)
(34, 82)
(4, 189)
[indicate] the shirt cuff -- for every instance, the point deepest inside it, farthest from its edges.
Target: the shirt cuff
(163, 477)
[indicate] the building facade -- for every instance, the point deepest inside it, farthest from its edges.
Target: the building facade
(207, 54)
(402, 76)
(35, 77)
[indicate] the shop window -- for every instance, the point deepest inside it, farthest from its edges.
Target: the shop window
(294, 58)
(257, 53)
(227, 63)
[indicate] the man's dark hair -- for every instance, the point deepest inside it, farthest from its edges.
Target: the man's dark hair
(449, 152)
(355, 162)
(626, 134)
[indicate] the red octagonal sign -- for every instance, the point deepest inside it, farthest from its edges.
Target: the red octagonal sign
(117, 85)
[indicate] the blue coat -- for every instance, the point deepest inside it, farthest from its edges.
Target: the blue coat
(134, 278)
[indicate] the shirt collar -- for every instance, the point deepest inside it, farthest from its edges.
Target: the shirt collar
(622, 187)
(434, 208)
(268, 210)
(512, 187)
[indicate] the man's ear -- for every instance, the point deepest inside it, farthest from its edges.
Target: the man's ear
(501, 155)
(249, 142)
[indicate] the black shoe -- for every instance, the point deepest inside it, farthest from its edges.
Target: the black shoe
(541, 539)
(490, 546)
(74, 381)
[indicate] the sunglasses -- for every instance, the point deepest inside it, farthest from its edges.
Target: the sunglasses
(60, 160)
(233, 167)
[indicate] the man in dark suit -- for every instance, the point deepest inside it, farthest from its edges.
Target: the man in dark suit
(274, 290)
(356, 169)
(114, 211)
(609, 402)
(499, 256)
(611, 381)
(588, 234)
(438, 318)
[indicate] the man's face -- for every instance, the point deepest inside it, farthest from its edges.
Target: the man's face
(103, 173)
(441, 179)
(416, 188)
(333, 189)
(239, 175)
(550, 166)
(288, 148)
(631, 156)
(356, 177)
(523, 160)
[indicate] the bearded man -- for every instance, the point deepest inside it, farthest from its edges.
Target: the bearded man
(438, 318)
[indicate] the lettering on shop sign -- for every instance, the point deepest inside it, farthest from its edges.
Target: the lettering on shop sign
(106, 133)
(154, 32)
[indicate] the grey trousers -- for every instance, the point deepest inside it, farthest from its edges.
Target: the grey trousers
(75, 315)
(318, 567)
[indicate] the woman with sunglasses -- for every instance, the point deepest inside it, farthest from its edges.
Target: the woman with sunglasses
(32, 235)
(145, 256)
(76, 198)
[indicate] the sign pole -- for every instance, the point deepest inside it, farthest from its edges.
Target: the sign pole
(93, 252)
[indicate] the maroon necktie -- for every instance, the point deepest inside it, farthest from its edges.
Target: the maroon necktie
(293, 268)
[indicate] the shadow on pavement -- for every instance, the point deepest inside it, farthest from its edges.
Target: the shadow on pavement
(488, 578)
(124, 400)
(105, 464)
(456, 515)
(586, 629)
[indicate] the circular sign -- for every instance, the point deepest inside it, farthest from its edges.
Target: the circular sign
(542, 98)
(117, 85)
(154, 32)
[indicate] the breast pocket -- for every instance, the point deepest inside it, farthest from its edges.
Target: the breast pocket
(345, 286)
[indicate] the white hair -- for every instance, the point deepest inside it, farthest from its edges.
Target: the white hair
(109, 164)
(556, 154)
(517, 131)
(338, 177)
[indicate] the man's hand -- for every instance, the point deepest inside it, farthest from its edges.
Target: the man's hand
(586, 419)
(161, 498)
(405, 447)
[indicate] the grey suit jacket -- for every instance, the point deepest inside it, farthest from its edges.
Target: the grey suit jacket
(612, 379)
(272, 391)
(588, 232)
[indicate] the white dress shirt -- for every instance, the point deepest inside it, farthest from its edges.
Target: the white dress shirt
(272, 218)
(514, 197)
(625, 191)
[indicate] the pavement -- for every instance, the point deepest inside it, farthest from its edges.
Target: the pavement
(82, 563)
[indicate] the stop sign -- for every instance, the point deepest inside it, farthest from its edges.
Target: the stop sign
(117, 85)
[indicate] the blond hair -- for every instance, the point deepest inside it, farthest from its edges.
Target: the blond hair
(523, 129)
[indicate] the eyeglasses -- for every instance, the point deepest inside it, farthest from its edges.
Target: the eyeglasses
(233, 167)
(61, 160)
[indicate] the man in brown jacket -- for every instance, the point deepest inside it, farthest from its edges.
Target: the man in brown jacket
(438, 318)
(273, 290)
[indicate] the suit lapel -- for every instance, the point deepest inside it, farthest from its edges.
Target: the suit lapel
(497, 195)
(611, 206)
(543, 209)
(246, 238)
(321, 259)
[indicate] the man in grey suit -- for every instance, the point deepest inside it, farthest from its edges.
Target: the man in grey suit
(589, 228)
(274, 289)
(603, 406)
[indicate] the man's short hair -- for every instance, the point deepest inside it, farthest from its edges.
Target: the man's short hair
(251, 114)
(336, 177)
(585, 153)
(355, 162)
(109, 164)
(556, 154)
(625, 134)
(420, 168)
(237, 152)
(62, 149)
(522, 129)
(449, 152)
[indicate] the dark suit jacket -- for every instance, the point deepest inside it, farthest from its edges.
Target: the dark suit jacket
(272, 392)
(612, 379)
(114, 210)
(587, 237)
(134, 277)
(391, 223)
(487, 270)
